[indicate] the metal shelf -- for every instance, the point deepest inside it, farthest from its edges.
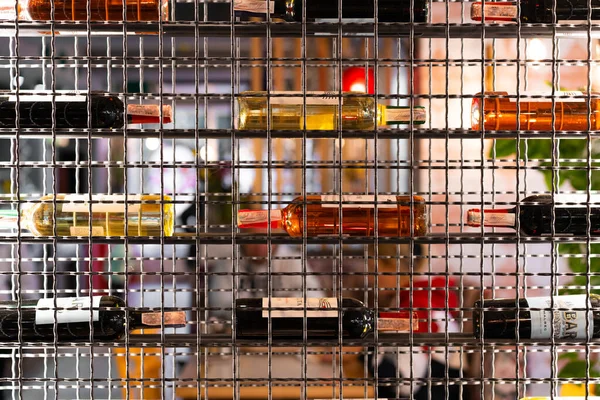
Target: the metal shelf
(8, 133)
(242, 238)
(285, 29)
(464, 340)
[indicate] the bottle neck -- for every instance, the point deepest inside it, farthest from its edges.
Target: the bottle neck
(144, 319)
(259, 219)
(505, 217)
(400, 115)
(397, 321)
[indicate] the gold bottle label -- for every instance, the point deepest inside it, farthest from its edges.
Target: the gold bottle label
(85, 231)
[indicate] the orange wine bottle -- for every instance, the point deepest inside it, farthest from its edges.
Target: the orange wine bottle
(357, 216)
(570, 110)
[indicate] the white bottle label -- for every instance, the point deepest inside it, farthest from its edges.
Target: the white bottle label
(317, 98)
(253, 217)
(110, 203)
(324, 305)
(383, 201)
(560, 96)
(68, 309)
(254, 6)
(568, 323)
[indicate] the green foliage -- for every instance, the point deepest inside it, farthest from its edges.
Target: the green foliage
(538, 152)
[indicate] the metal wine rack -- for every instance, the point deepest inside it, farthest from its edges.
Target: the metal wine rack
(199, 62)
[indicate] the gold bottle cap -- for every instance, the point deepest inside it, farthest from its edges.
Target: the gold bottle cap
(170, 318)
(501, 11)
(399, 323)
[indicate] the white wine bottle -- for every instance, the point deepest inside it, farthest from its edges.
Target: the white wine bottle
(322, 111)
(143, 215)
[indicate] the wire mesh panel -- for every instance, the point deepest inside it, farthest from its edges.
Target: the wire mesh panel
(298, 200)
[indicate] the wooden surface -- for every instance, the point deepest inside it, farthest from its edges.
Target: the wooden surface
(285, 370)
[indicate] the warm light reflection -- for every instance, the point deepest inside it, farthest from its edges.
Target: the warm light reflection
(358, 87)
(536, 51)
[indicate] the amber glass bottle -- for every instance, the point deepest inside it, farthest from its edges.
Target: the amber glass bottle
(570, 110)
(357, 219)
(74, 10)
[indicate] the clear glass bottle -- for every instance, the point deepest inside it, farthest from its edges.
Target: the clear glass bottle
(109, 215)
(287, 113)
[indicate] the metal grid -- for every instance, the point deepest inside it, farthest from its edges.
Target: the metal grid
(211, 169)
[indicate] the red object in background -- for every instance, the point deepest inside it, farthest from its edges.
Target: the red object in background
(433, 296)
(354, 79)
(99, 257)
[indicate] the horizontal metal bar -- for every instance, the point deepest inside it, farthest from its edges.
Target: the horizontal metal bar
(9, 133)
(242, 238)
(285, 29)
(465, 340)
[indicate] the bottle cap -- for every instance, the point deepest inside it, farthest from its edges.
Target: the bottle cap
(401, 115)
(258, 218)
(148, 114)
(170, 318)
(502, 218)
(501, 11)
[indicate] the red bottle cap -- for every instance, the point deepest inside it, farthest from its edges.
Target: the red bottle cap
(148, 114)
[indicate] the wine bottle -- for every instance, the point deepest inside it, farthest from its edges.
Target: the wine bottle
(535, 215)
(37, 320)
(291, 10)
(287, 318)
(570, 111)
(100, 10)
(358, 216)
(109, 215)
(287, 113)
(569, 316)
(562, 397)
(72, 112)
(536, 11)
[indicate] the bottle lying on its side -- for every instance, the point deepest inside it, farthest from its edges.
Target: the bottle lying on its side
(569, 111)
(536, 11)
(357, 219)
(535, 215)
(142, 215)
(97, 318)
(286, 316)
(71, 111)
(574, 317)
(100, 10)
(292, 10)
(259, 110)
